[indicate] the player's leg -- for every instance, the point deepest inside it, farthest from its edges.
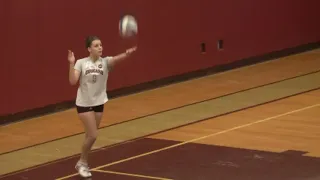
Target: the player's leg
(87, 117)
(89, 123)
(98, 114)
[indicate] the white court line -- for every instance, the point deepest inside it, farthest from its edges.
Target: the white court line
(133, 175)
(197, 139)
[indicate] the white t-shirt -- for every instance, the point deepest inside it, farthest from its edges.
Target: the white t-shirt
(92, 89)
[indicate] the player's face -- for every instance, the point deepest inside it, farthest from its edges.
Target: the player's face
(96, 48)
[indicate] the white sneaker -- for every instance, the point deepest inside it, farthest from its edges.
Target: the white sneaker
(83, 170)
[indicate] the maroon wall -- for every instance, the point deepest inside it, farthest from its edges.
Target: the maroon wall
(38, 33)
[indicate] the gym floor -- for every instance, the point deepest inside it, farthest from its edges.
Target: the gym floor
(256, 122)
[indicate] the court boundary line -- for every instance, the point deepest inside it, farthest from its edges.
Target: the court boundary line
(197, 139)
(175, 108)
(130, 174)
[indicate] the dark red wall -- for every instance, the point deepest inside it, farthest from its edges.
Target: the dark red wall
(38, 33)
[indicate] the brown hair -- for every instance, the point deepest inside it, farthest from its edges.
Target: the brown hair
(89, 40)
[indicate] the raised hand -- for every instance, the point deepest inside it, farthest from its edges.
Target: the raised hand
(131, 50)
(71, 57)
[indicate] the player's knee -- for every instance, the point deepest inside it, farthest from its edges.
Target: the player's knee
(92, 136)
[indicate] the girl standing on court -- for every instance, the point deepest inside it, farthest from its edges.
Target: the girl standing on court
(92, 74)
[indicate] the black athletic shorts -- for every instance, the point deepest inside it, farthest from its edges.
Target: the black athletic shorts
(92, 108)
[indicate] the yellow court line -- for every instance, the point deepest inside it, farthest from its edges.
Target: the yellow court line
(134, 175)
(197, 139)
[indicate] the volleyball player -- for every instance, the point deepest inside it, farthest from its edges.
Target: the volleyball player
(92, 74)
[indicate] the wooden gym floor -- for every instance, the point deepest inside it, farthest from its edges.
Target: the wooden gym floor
(257, 122)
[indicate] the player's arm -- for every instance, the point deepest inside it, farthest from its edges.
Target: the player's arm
(74, 74)
(120, 57)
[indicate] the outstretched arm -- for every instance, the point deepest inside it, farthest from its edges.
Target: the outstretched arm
(73, 74)
(120, 57)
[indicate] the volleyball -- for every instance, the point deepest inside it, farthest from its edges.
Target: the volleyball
(128, 26)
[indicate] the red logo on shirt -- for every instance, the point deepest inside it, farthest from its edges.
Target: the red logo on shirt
(89, 71)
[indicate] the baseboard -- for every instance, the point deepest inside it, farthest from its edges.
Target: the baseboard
(10, 118)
